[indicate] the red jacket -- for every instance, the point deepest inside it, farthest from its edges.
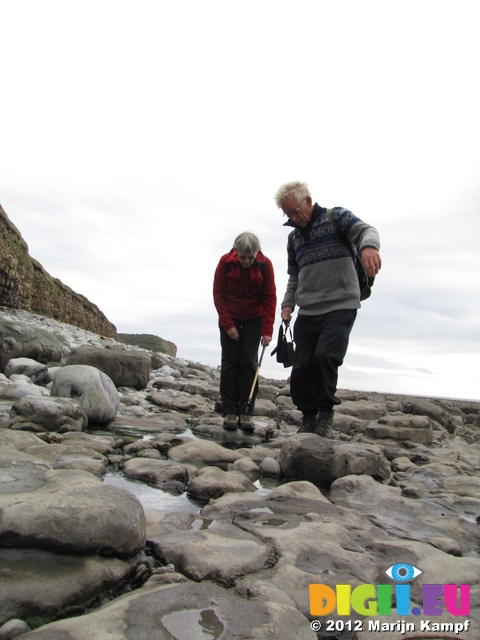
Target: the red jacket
(245, 293)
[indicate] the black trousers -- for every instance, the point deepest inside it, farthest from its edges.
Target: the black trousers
(321, 343)
(239, 365)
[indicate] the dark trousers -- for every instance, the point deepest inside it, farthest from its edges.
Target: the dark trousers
(320, 346)
(239, 365)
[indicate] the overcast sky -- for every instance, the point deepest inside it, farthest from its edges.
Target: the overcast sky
(139, 138)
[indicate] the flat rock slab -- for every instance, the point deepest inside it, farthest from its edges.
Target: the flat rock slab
(212, 482)
(203, 452)
(215, 551)
(40, 583)
(162, 473)
(182, 609)
(405, 517)
(68, 512)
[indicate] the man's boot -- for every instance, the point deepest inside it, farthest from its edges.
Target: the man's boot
(324, 423)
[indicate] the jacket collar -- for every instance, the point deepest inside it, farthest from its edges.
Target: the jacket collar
(232, 256)
(317, 211)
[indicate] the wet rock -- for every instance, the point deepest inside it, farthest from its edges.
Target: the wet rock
(168, 605)
(162, 473)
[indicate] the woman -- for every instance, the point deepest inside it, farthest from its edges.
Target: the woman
(245, 298)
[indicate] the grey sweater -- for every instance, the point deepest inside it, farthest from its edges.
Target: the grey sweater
(322, 276)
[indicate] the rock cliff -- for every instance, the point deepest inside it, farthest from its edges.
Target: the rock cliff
(24, 284)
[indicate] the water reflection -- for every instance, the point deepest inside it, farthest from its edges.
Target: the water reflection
(152, 498)
(193, 624)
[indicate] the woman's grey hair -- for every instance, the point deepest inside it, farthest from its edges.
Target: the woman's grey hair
(300, 189)
(247, 244)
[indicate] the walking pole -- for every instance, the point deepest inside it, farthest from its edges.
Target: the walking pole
(250, 397)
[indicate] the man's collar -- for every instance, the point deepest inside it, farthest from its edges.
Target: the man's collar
(317, 210)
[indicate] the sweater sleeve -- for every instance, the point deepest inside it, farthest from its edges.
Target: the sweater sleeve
(219, 285)
(355, 230)
(269, 300)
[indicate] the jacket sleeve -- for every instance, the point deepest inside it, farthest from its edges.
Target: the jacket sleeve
(292, 270)
(219, 286)
(269, 301)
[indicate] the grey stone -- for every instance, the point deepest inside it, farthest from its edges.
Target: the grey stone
(91, 388)
(36, 371)
(32, 413)
(124, 368)
(321, 461)
(70, 512)
(212, 482)
(18, 340)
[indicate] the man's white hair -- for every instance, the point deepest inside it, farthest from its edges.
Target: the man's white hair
(300, 189)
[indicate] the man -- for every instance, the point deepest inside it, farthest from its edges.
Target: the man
(323, 283)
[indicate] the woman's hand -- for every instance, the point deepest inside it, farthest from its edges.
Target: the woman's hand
(266, 340)
(233, 333)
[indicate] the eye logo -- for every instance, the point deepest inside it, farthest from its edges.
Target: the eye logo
(402, 572)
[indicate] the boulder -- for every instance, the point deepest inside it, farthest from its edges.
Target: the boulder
(36, 371)
(321, 461)
(91, 388)
(19, 340)
(44, 413)
(124, 368)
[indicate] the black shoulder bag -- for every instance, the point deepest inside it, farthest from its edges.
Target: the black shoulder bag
(285, 349)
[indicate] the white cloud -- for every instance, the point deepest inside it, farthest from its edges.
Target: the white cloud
(138, 139)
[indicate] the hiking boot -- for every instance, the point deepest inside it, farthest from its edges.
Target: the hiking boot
(309, 423)
(230, 422)
(246, 422)
(324, 424)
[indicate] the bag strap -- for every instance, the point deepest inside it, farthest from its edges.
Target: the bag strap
(352, 249)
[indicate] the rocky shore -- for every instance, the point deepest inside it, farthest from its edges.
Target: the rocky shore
(127, 511)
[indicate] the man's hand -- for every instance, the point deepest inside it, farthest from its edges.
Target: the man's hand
(286, 314)
(266, 340)
(371, 260)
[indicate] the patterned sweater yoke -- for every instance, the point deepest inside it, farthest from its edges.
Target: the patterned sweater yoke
(322, 277)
